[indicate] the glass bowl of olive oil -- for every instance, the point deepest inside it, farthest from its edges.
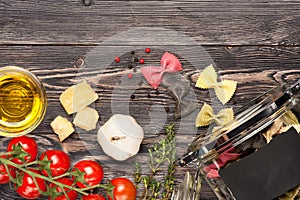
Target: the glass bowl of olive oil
(23, 101)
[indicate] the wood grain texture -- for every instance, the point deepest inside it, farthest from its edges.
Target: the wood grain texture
(255, 68)
(256, 43)
(208, 22)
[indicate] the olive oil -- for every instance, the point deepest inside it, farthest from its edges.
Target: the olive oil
(22, 101)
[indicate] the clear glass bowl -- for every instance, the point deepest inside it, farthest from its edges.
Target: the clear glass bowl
(23, 101)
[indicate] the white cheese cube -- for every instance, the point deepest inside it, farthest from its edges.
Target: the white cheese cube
(77, 97)
(62, 127)
(86, 118)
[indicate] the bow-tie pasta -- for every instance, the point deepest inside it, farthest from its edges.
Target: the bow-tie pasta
(224, 89)
(206, 116)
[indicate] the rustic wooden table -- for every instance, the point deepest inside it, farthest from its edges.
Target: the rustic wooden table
(256, 43)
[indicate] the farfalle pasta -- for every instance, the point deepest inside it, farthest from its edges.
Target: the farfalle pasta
(273, 130)
(154, 74)
(289, 118)
(282, 125)
(223, 159)
(292, 194)
(206, 116)
(224, 89)
(286, 128)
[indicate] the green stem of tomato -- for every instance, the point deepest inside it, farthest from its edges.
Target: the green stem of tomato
(36, 162)
(12, 179)
(107, 187)
(5, 154)
(8, 162)
(61, 176)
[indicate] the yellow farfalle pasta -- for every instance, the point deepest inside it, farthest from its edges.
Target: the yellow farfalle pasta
(281, 125)
(289, 118)
(224, 89)
(206, 116)
(291, 195)
(286, 128)
(273, 130)
(207, 78)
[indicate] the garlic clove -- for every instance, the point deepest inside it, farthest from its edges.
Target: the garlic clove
(120, 137)
(128, 125)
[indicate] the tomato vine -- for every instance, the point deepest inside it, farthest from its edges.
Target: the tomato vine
(49, 176)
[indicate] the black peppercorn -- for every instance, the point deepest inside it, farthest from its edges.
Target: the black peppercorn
(130, 66)
(167, 109)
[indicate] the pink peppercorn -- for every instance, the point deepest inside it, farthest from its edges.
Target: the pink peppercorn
(117, 59)
(142, 61)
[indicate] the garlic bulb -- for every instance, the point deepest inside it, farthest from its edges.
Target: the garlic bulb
(120, 137)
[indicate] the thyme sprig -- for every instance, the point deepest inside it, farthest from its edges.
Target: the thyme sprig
(161, 153)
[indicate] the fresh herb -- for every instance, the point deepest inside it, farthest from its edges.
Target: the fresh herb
(161, 153)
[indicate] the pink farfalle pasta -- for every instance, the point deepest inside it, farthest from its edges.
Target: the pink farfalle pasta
(223, 159)
(154, 74)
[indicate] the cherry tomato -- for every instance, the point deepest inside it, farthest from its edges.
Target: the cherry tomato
(4, 178)
(28, 145)
(93, 173)
(71, 193)
(93, 197)
(3, 175)
(60, 162)
(124, 189)
(28, 189)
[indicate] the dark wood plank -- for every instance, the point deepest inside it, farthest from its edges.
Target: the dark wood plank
(208, 22)
(254, 43)
(256, 69)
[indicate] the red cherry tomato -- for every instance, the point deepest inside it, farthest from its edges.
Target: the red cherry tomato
(28, 189)
(28, 145)
(93, 197)
(124, 189)
(71, 193)
(93, 173)
(3, 175)
(4, 178)
(60, 162)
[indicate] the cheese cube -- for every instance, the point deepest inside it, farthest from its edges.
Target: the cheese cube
(86, 119)
(62, 127)
(77, 97)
